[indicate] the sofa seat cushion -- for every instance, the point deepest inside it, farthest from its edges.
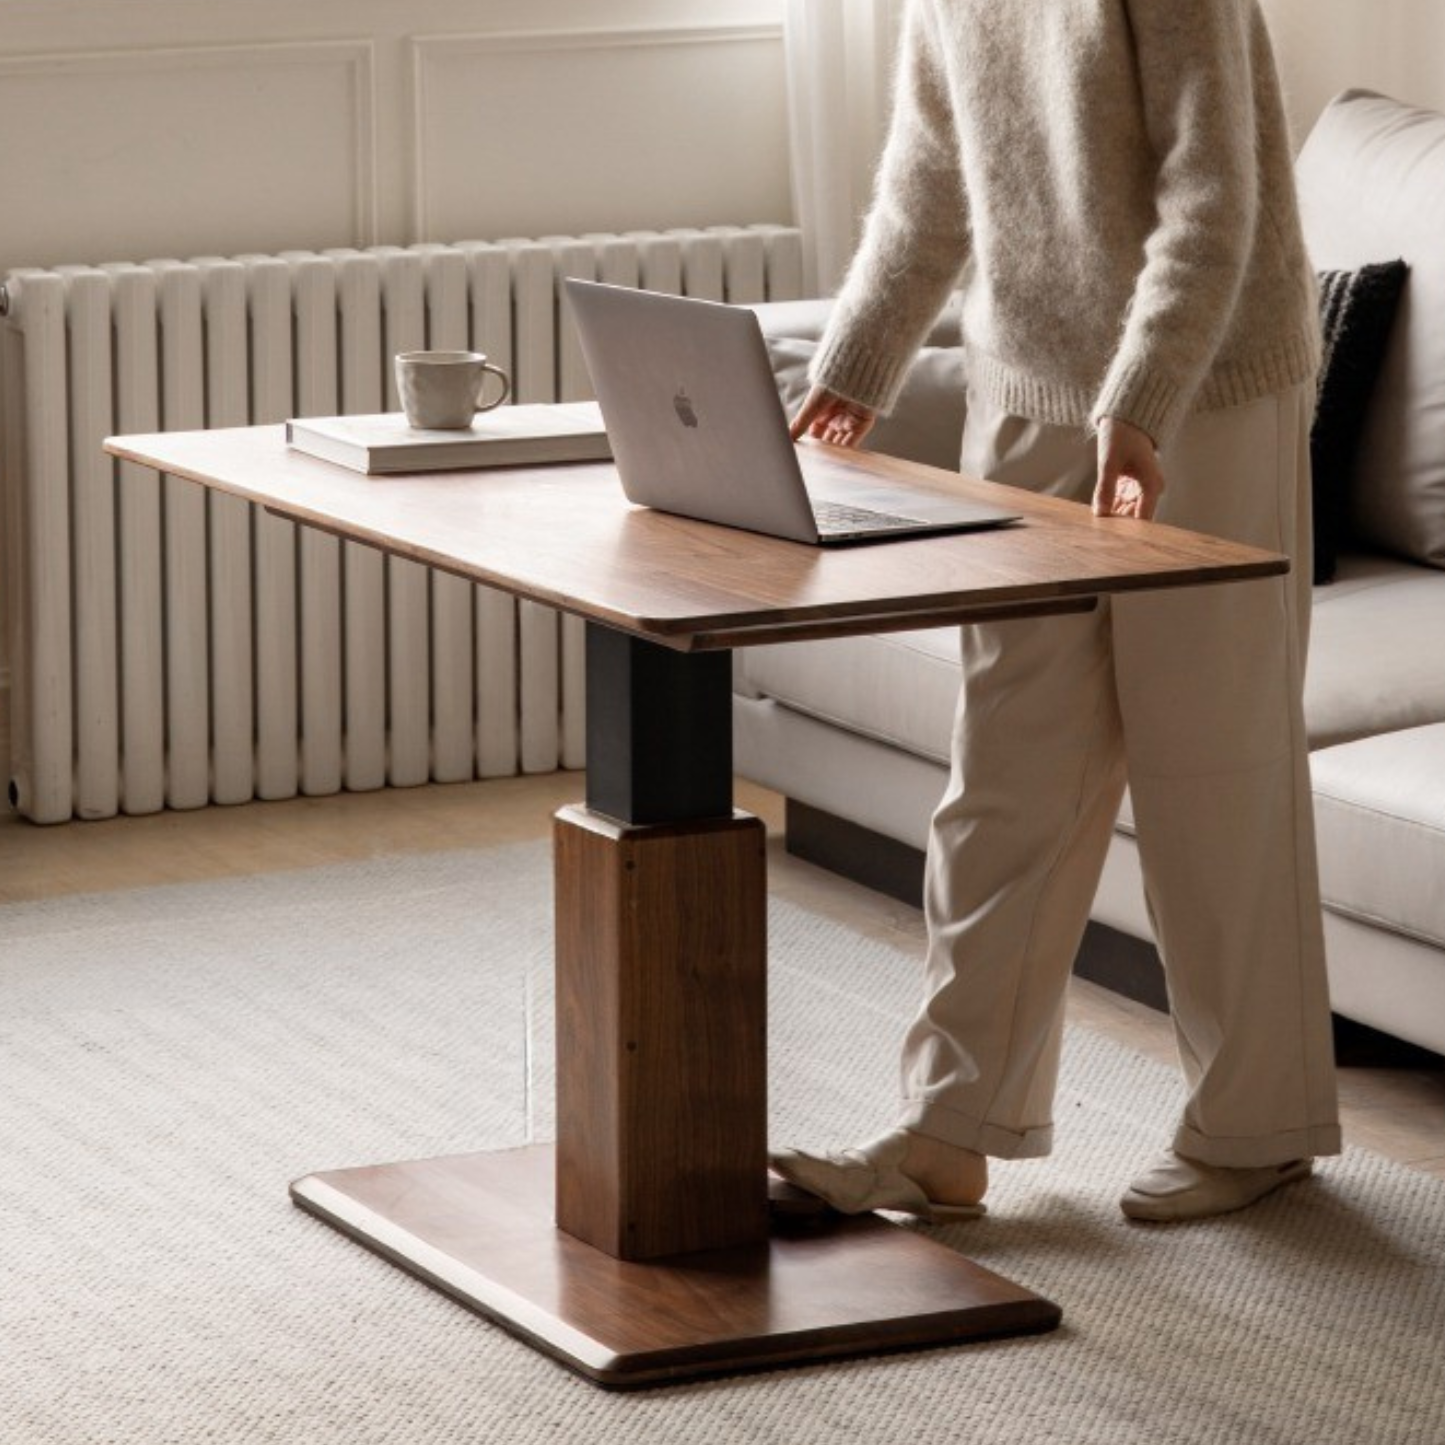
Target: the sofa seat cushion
(1380, 815)
(1375, 651)
(899, 689)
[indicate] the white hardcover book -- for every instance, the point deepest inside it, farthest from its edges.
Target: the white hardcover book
(508, 436)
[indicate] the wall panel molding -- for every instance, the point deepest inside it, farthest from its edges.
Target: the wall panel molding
(124, 129)
(548, 55)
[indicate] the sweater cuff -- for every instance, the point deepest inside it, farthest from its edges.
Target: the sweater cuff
(1142, 398)
(859, 374)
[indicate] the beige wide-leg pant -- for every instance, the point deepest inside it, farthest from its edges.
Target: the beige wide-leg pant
(1194, 698)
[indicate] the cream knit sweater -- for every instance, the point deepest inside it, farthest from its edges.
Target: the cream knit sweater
(1110, 181)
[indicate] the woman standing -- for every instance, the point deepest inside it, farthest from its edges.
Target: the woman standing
(1110, 183)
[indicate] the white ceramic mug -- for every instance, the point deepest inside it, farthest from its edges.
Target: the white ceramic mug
(442, 390)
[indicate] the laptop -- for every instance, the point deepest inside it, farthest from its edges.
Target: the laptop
(697, 428)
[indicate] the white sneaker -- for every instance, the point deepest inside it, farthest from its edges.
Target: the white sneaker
(855, 1181)
(1180, 1188)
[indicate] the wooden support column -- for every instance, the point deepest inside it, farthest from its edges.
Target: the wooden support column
(661, 1034)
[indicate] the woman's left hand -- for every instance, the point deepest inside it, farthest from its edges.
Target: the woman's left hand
(1130, 480)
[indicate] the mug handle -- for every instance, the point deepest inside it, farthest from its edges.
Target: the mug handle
(506, 387)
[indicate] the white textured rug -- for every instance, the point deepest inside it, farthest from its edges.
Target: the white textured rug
(171, 1059)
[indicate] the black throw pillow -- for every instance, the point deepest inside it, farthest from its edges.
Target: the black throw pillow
(1356, 310)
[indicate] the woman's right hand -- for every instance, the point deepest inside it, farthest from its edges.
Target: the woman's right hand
(828, 417)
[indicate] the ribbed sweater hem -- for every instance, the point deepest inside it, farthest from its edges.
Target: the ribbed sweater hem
(1056, 403)
(1234, 383)
(1140, 397)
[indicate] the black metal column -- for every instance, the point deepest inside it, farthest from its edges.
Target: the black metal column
(659, 730)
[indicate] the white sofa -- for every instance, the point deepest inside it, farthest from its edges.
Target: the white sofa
(855, 732)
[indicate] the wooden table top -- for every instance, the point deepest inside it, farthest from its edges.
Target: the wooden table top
(566, 536)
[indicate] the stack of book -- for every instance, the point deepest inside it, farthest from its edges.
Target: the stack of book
(509, 436)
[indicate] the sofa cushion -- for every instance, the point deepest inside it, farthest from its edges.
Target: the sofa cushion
(1372, 188)
(1380, 816)
(1356, 312)
(899, 689)
(1375, 650)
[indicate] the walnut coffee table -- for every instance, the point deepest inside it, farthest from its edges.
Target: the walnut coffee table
(642, 1248)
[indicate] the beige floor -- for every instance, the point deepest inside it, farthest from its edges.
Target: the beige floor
(1395, 1109)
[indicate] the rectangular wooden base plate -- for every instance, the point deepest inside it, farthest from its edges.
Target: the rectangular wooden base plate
(479, 1227)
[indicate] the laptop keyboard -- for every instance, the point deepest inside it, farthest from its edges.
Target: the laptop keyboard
(840, 517)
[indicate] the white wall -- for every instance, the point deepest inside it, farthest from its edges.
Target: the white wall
(1326, 46)
(165, 127)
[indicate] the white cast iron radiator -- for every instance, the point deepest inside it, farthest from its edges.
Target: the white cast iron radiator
(171, 648)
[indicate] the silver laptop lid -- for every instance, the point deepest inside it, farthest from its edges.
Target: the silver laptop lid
(696, 426)
(692, 408)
